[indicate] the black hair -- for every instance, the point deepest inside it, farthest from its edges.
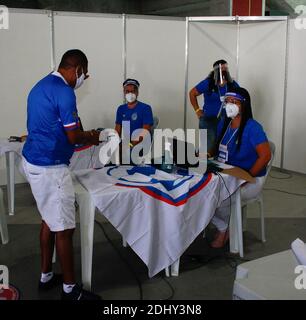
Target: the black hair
(73, 58)
(212, 87)
(246, 114)
(221, 61)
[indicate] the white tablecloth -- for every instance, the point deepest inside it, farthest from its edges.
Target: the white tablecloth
(159, 215)
(6, 146)
(82, 158)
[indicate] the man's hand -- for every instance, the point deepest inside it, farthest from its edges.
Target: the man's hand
(200, 113)
(83, 137)
(94, 137)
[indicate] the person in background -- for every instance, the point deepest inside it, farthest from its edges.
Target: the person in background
(242, 143)
(135, 113)
(53, 130)
(213, 88)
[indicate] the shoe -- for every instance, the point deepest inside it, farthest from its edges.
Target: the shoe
(55, 281)
(221, 239)
(78, 293)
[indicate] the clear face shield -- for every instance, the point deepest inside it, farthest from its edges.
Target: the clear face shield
(222, 74)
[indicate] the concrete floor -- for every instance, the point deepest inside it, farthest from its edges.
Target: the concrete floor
(119, 274)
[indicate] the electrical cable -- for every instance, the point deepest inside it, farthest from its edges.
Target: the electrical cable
(123, 259)
(131, 268)
(90, 164)
(289, 176)
(287, 192)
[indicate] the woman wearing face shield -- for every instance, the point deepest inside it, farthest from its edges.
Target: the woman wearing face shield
(213, 88)
(241, 142)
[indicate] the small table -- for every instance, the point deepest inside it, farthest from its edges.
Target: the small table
(83, 158)
(87, 214)
(268, 278)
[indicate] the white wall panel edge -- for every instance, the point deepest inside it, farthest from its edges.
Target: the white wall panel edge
(285, 96)
(28, 11)
(295, 130)
(86, 14)
(152, 17)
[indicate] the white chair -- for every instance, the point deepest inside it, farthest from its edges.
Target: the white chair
(3, 222)
(155, 123)
(259, 199)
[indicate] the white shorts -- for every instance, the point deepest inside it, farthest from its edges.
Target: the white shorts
(52, 188)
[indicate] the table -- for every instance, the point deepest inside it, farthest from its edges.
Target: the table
(156, 231)
(3, 222)
(268, 278)
(10, 150)
(86, 157)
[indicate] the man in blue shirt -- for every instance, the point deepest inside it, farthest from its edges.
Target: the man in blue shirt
(213, 88)
(53, 130)
(133, 114)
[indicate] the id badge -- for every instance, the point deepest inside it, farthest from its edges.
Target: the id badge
(223, 153)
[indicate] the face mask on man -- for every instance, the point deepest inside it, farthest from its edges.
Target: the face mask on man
(130, 97)
(232, 110)
(79, 80)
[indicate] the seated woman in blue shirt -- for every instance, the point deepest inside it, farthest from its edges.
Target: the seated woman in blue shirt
(243, 143)
(132, 116)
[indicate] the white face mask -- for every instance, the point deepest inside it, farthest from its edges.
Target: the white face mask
(130, 97)
(80, 80)
(232, 110)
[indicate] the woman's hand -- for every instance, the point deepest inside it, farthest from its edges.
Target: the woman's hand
(200, 113)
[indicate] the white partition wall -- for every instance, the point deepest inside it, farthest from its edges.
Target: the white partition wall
(24, 59)
(100, 38)
(208, 42)
(262, 54)
(155, 57)
(152, 50)
(295, 125)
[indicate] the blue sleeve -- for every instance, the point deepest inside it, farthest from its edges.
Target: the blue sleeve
(119, 116)
(202, 86)
(68, 111)
(257, 135)
(148, 116)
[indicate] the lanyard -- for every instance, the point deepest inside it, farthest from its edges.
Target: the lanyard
(231, 136)
(220, 92)
(222, 100)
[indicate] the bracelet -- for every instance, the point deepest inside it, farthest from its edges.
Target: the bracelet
(197, 110)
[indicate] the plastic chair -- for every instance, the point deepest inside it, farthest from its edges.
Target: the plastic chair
(155, 123)
(259, 199)
(3, 222)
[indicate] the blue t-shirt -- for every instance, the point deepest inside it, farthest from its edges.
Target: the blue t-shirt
(51, 111)
(138, 116)
(212, 102)
(246, 156)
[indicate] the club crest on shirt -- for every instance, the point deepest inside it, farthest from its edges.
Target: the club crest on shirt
(134, 116)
